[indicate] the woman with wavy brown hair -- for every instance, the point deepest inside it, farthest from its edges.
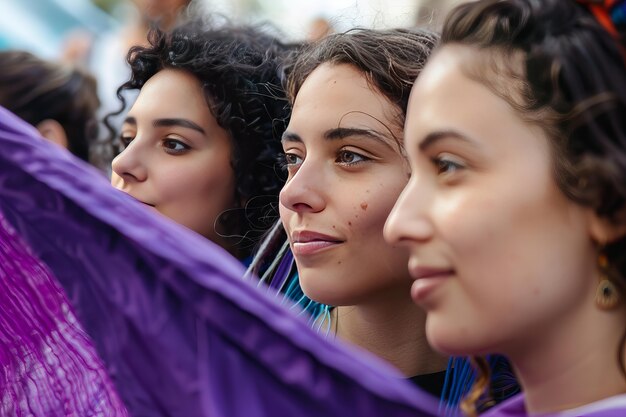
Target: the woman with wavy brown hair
(514, 214)
(345, 165)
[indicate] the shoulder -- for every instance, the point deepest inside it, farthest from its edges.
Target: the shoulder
(513, 407)
(609, 407)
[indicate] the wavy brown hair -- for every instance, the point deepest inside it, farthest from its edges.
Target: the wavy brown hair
(390, 59)
(562, 71)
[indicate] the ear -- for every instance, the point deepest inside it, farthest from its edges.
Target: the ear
(53, 131)
(603, 231)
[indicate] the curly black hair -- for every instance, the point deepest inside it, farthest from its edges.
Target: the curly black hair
(240, 69)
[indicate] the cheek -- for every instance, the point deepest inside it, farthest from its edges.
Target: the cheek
(369, 209)
(218, 188)
(519, 260)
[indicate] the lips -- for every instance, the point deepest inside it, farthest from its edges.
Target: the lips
(422, 272)
(427, 280)
(308, 243)
(141, 201)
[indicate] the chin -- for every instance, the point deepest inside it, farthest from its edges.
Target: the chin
(324, 297)
(328, 295)
(456, 340)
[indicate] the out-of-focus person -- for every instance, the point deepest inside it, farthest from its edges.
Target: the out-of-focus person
(60, 100)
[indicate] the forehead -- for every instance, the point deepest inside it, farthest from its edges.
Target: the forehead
(446, 94)
(338, 94)
(447, 97)
(171, 93)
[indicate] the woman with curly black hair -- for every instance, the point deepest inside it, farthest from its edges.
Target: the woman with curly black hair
(199, 145)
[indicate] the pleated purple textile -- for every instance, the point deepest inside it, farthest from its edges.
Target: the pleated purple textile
(49, 365)
(179, 331)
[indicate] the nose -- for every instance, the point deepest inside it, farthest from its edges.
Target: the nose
(410, 221)
(129, 166)
(305, 191)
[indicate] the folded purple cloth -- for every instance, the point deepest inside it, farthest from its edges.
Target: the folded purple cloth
(179, 331)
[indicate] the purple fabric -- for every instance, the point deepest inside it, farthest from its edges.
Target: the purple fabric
(48, 365)
(180, 332)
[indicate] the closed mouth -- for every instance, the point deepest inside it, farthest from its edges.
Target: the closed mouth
(307, 243)
(422, 272)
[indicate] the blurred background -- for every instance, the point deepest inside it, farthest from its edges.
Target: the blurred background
(49, 47)
(53, 28)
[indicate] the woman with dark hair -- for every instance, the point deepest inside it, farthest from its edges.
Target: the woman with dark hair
(200, 144)
(59, 100)
(514, 214)
(344, 156)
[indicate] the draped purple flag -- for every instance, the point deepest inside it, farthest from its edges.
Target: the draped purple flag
(179, 331)
(168, 322)
(49, 366)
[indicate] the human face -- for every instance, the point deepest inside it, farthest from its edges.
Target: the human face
(345, 173)
(177, 158)
(500, 257)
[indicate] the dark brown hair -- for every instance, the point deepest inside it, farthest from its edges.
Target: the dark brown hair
(561, 70)
(390, 59)
(36, 90)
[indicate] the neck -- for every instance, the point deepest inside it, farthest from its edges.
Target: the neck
(574, 364)
(393, 330)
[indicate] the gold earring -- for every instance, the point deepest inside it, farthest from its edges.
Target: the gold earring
(607, 294)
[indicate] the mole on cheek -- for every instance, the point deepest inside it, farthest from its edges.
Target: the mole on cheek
(364, 206)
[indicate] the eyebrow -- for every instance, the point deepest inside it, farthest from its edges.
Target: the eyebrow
(170, 122)
(339, 133)
(437, 136)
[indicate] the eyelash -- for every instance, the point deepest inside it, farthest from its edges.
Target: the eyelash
(286, 164)
(126, 140)
(175, 142)
(446, 165)
(363, 158)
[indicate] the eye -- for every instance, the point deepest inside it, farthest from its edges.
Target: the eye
(292, 159)
(175, 146)
(345, 157)
(447, 165)
(289, 161)
(122, 143)
(125, 140)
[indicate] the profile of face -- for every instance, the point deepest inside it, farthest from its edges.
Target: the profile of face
(500, 258)
(345, 173)
(177, 159)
